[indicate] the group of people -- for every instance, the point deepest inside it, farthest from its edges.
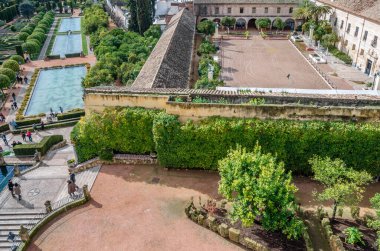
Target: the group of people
(15, 189)
(22, 80)
(71, 186)
(24, 135)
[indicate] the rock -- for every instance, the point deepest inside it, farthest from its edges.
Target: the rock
(201, 219)
(223, 230)
(234, 234)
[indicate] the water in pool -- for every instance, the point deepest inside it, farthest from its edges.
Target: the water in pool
(55, 88)
(7, 173)
(65, 44)
(72, 24)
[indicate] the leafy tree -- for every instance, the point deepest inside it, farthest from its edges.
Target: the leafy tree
(303, 12)
(228, 21)
(375, 223)
(317, 11)
(9, 73)
(343, 185)
(11, 64)
(144, 15)
(94, 19)
(206, 27)
(5, 82)
(60, 7)
(153, 31)
(133, 23)
(322, 29)
(30, 47)
(279, 24)
(329, 40)
(26, 9)
(22, 36)
(259, 187)
(19, 59)
(206, 47)
(353, 236)
(262, 23)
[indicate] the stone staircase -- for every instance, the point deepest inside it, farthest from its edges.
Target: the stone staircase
(10, 220)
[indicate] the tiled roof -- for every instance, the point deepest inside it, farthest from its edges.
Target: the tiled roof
(244, 1)
(168, 66)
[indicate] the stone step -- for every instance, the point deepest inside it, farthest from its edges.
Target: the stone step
(15, 222)
(6, 245)
(18, 217)
(5, 238)
(5, 233)
(4, 212)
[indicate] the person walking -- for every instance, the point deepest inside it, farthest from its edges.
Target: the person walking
(72, 176)
(71, 188)
(25, 80)
(17, 189)
(10, 187)
(42, 125)
(14, 96)
(29, 135)
(23, 135)
(288, 76)
(15, 104)
(61, 109)
(4, 137)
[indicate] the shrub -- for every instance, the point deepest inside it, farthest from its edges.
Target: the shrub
(341, 55)
(43, 146)
(27, 29)
(205, 83)
(35, 41)
(206, 47)
(5, 82)
(353, 236)
(9, 73)
(39, 30)
(30, 47)
(40, 37)
(19, 59)
(11, 64)
(22, 36)
(71, 115)
(26, 122)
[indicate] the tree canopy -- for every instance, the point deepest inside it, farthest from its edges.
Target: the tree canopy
(5, 82)
(342, 185)
(26, 9)
(260, 188)
(228, 21)
(206, 27)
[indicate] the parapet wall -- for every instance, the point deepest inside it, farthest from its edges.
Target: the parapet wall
(305, 108)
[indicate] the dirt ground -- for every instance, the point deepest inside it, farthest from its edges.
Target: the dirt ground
(266, 63)
(142, 208)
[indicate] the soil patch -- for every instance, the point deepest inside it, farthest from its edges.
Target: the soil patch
(369, 235)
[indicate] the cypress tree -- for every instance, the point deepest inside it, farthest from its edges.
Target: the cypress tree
(133, 24)
(144, 15)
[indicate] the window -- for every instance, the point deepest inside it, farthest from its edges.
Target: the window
(348, 28)
(266, 10)
(253, 10)
(335, 22)
(353, 47)
(362, 52)
(346, 42)
(241, 10)
(374, 41)
(356, 31)
(278, 10)
(365, 36)
(216, 10)
(341, 24)
(229, 10)
(291, 10)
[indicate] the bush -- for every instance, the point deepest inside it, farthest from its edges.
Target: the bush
(340, 55)
(43, 146)
(206, 47)
(11, 64)
(5, 82)
(70, 115)
(22, 36)
(127, 130)
(26, 122)
(18, 59)
(9, 73)
(30, 47)
(27, 29)
(40, 37)
(35, 41)
(4, 128)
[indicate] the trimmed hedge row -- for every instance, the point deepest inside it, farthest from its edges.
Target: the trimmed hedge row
(201, 145)
(4, 128)
(27, 122)
(70, 115)
(43, 146)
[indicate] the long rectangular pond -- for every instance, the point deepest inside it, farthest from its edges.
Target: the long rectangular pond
(55, 88)
(66, 44)
(70, 24)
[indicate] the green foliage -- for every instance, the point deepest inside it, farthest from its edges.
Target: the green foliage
(5, 82)
(206, 27)
(125, 130)
(228, 21)
(94, 19)
(27, 29)
(329, 40)
(8, 13)
(30, 47)
(341, 55)
(279, 24)
(262, 23)
(259, 187)
(344, 186)
(206, 48)
(353, 236)
(71, 115)
(11, 64)
(9, 73)
(205, 83)
(19, 59)
(154, 31)
(375, 223)
(26, 9)
(43, 146)
(204, 65)
(40, 37)
(144, 14)
(257, 101)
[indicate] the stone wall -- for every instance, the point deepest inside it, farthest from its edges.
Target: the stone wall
(98, 101)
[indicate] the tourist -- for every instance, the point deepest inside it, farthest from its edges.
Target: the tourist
(61, 109)
(2, 117)
(34, 126)
(15, 104)
(13, 124)
(29, 135)
(4, 137)
(288, 76)
(18, 142)
(51, 111)
(10, 187)
(71, 188)
(42, 125)
(1, 149)
(25, 80)
(13, 96)
(72, 176)
(14, 143)
(17, 189)
(23, 135)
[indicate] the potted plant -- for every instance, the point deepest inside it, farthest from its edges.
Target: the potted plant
(71, 163)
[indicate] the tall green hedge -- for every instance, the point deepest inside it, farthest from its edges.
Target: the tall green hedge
(125, 130)
(201, 145)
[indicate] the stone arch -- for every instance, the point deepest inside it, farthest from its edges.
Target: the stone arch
(289, 24)
(203, 19)
(216, 20)
(252, 23)
(241, 23)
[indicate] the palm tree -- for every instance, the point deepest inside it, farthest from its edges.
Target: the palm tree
(317, 11)
(303, 12)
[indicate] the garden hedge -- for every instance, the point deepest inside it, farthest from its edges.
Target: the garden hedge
(43, 146)
(201, 145)
(27, 122)
(70, 115)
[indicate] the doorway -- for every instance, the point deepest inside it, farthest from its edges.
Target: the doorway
(368, 67)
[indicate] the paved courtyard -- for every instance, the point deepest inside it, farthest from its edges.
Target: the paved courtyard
(266, 63)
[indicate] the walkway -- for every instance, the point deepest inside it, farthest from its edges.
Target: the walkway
(47, 41)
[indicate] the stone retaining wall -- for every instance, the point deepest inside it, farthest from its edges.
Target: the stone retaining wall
(334, 240)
